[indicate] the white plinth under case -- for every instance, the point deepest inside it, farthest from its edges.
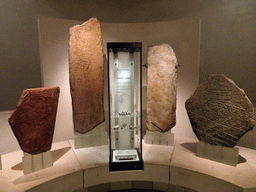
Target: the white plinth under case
(125, 155)
(220, 154)
(159, 138)
(32, 163)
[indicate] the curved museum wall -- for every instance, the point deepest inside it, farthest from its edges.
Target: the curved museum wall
(183, 36)
(54, 61)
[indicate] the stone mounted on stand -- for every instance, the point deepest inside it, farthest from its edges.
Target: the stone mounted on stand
(33, 121)
(162, 88)
(86, 61)
(220, 112)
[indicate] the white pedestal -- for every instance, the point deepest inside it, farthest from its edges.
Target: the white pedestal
(96, 137)
(220, 154)
(125, 155)
(158, 138)
(32, 163)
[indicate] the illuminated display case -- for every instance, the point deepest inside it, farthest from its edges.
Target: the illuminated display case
(125, 107)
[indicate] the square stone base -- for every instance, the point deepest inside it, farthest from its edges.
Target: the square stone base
(32, 163)
(220, 154)
(158, 138)
(96, 137)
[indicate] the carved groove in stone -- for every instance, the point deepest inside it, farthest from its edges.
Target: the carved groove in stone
(162, 88)
(86, 75)
(33, 120)
(220, 112)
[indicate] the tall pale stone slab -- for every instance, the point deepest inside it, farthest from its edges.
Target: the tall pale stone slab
(220, 112)
(86, 75)
(33, 121)
(162, 88)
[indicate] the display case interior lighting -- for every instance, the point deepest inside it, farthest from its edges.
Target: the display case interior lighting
(125, 107)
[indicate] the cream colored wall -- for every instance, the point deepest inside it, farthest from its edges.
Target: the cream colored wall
(227, 40)
(227, 35)
(54, 61)
(8, 142)
(54, 64)
(186, 47)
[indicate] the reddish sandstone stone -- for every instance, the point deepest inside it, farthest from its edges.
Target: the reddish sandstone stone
(220, 112)
(33, 120)
(86, 75)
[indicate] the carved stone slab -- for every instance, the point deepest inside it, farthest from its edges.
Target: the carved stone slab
(161, 89)
(86, 75)
(220, 112)
(33, 120)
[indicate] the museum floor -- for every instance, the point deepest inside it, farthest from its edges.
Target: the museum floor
(165, 167)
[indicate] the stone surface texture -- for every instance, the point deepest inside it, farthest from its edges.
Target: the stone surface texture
(33, 121)
(162, 88)
(220, 112)
(86, 75)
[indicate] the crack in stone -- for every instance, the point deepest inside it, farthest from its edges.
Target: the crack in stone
(156, 126)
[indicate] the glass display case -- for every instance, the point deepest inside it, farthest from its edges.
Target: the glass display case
(125, 107)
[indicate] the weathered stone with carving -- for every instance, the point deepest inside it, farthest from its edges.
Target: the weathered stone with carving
(162, 88)
(86, 75)
(33, 121)
(220, 112)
